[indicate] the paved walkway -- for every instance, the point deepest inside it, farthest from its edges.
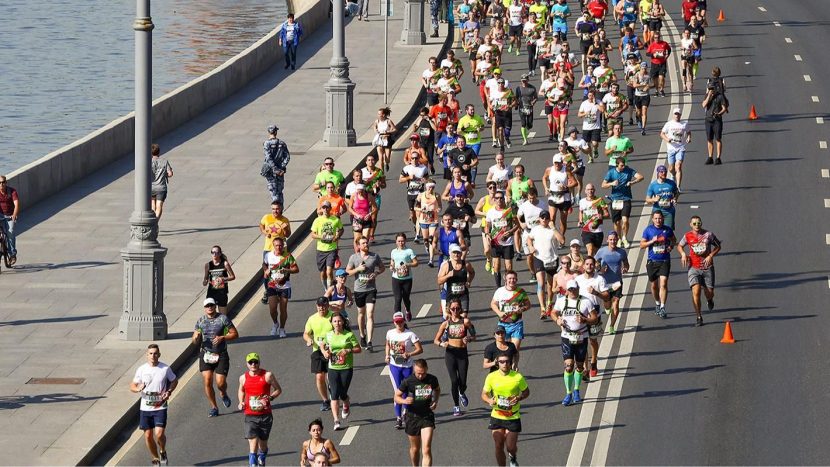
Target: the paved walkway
(59, 309)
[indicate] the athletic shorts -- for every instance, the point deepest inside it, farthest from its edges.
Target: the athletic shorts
(575, 352)
(513, 426)
(616, 293)
(714, 129)
(593, 238)
(595, 330)
(159, 195)
(319, 364)
(538, 265)
(675, 155)
(410, 201)
(274, 292)
(585, 45)
(657, 69)
(362, 298)
(514, 330)
(149, 419)
(560, 206)
(642, 101)
(558, 112)
(616, 216)
(415, 423)
(592, 135)
(655, 24)
(514, 31)
(502, 251)
(219, 296)
(258, 426)
(504, 119)
(361, 224)
(655, 269)
(704, 277)
(220, 368)
(580, 171)
(630, 92)
(326, 259)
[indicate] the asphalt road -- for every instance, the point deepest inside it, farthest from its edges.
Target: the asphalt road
(668, 393)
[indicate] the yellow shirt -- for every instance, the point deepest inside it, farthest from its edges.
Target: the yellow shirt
(645, 8)
(503, 387)
(274, 227)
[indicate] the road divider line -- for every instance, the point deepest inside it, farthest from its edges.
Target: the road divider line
(820, 120)
(777, 24)
(825, 173)
(694, 206)
(424, 310)
(762, 8)
(822, 144)
(385, 370)
(531, 134)
(807, 78)
(827, 239)
(828, 282)
(826, 203)
(788, 40)
(797, 57)
(351, 432)
(515, 161)
(814, 98)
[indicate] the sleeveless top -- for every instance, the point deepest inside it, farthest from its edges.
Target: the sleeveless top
(255, 388)
(309, 454)
(445, 239)
(425, 131)
(457, 284)
(558, 186)
(454, 191)
(361, 205)
(428, 215)
(383, 126)
(216, 277)
(456, 330)
(337, 296)
(517, 189)
(484, 208)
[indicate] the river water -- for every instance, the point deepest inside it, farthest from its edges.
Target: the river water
(66, 66)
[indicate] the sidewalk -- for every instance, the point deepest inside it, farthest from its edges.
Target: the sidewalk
(59, 308)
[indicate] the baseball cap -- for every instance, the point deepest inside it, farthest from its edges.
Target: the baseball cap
(209, 302)
(525, 77)
(340, 273)
(360, 186)
(661, 168)
(575, 242)
(322, 300)
(398, 317)
(571, 285)
(414, 136)
(500, 329)
(675, 110)
(272, 129)
(613, 233)
(544, 215)
(500, 80)
(558, 158)
(573, 129)
(497, 71)
(326, 204)
(454, 247)
(252, 356)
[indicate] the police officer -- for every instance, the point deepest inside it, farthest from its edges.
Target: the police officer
(275, 164)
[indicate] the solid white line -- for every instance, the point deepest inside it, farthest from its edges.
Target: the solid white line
(807, 78)
(815, 98)
(826, 203)
(788, 40)
(777, 24)
(351, 432)
(822, 144)
(531, 134)
(695, 206)
(515, 161)
(797, 57)
(828, 281)
(385, 370)
(762, 8)
(424, 310)
(825, 173)
(820, 120)
(827, 238)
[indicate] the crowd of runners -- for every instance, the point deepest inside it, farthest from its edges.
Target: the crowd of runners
(570, 238)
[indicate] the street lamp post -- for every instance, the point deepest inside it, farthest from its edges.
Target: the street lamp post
(143, 310)
(339, 88)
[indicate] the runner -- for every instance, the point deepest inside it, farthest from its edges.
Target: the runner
(258, 387)
(340, 295)
(509, 303)
(575, 255)
(614, 105)
(498, 348)
(463, 215)
(401, 345)
(365, 266)
(453, 335)
(413, 175)
(528, 214)
(659, 239)
(613, 263)
(314, 333)
(526, 94)
(593, 288)
(454, 279)
(427, 207)
(677, 135)
(337, 202)
(558, 180)
(447, 236)
(499, 173)
(9, 215)
(573, 314)
(339, 348)
(703, 246)
(662, 194)
(420, 393)
(423, 138)
(445, 145)
(277, 269)
(155, 381)
(465, 160)
(327, 230)
(688, 59)
(715, 106)
(592, 210)
(375, 179)
(502, 102)
(218, 272)
(212, 334)
(385, 128)
(328, 174)
(271, 226)
(500, 224)
(515, 11)
(659, 51)
(363, 208)
(619, 179)
(470, 126)
(542, 242)
(402, 260)
(590, 111)
(485, 203)
(641, 82)
(503, 391)
(317, 445)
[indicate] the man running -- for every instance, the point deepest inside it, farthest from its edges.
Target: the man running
(503, 391)
(619, 179)
(613, 263)
(327, 230)
(470, 126)
(316, 328)
(677, 135)
(499, 226)
(258, 387)
(703, 246)
(659, 239)
(593, 288)
(573, 314)
(509, 303)
(213, 332)
(662, 194)
(277, 268)
(659, 51)
(419, 393)
(155, 381)
(365, 266)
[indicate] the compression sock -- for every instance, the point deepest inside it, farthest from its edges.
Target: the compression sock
(524, 133)
(252, 458)
(577, 379)
(550, 127)
(694, 70)
(569, 382)
(261, 456)
(497, 276)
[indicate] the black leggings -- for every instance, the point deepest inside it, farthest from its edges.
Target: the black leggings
(402, 289)
(457, 363)
(531, 57)
(339, 382)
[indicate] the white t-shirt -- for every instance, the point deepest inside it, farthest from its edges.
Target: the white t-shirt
(597, 282)
(500, 176)
(502, 297)
(400, 343)
(544, 241)
(591, 120)
(577, 144)
(497, 222)
(568, 309)
(156, 380)
(272, 260)
(289, 30)
(531, 211)
(676, 131)
(492, 85)
(350, 189)
(558, 186)
(590, 208)
(686, 46)
(416, 185)
(514, 14)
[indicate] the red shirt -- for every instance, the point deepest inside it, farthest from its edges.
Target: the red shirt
(598, 8)
(659, 51)
(7, 201)
(257, 391)
(700, 245)
(688, 9)
(440, 114)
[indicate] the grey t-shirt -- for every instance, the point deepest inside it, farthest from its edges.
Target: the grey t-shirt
(159, 167)
(362, 283)
(210, 328)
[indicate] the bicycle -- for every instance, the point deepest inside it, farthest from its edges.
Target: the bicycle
(4, 252)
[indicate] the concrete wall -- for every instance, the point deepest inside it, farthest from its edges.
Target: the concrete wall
(60, 169)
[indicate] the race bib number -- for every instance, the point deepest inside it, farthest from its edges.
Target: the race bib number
(328, 237)
(218, 282)
(557, 198)
(526, 110)
(414, 186)
(617, 204)
(210, 358)
(402, 271)
(551, 264)
(470, 136)
(503, 403)
(664, 202)
(256, 403)
(658, 248)
(364, 277)
(590, 212)
(337, 359)
(700, 248)
(423, 132)
(457, 289)
(629, 10)
(153, 399)
(459, 224)
(572, 337)
(423, 393)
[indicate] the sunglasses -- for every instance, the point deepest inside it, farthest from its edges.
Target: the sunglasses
(214, 252)
(697, 223)
(253, 362)
(504, 362)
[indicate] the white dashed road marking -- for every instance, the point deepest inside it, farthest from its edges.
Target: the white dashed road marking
(825, 173)
(807, 78)
(777, 24)
(788, 40)
(531, 134)
(349, 436)
(822, 144)
(826, 203)
(797, 57)
(827, 238)
(385, 371)
(820, 120)
(515, 161)
(762, 8)
(815, 99)
(424, 310)
(694, 207)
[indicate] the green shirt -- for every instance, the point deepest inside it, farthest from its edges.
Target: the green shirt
(317, 327)
(517, 189)
(621, 146)
(324, 176)
(503, 387)
(470, 128)
(338, 342)
(540, 10)
(326, 228)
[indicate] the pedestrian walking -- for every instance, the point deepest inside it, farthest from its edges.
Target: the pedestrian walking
(212, 334)
(275, 163)
(162, 170)
(289, 39)
(155, 381)
(258, 387)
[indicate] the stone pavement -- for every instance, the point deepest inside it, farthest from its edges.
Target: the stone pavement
(59, 308)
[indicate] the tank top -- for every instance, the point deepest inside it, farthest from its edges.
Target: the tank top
(216, 277)
(457, 284)
(445, 239)
(484, 208)
(425, 131)
(517, 189)
(456, 330)
(360, 205)
(255, 388)
(428, 215)
(558, 186)
(383, 126)
(454, 191)
(337, 296)
(309, 454)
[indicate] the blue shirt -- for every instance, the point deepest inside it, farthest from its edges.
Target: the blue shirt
(560, 9)
(660, 250)
(622, 190)
(446, 239)
(447, 142)
(667, 191)
(401, 256)
(613, 259)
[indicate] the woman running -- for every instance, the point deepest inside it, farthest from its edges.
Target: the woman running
(384, 129)
(457, 185)
(317, 444)
(401, 345)
(454, 279)
(362, 208)
(402, 260)
(340, 295)
(218, 272)
(428, 206)
(453, 335)
(339, 348)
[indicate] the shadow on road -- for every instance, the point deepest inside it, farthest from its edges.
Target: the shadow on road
(61, 319)
(17, 402)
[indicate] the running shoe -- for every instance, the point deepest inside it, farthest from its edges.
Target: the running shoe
(495, 144)
(709, 161)
(625, 243)
(532, 279)
(226, 401)
(456, 411)
(612, 330)
(513, 461)
(417, 239)
(593, 371)
(264, 298)
(464, 401)
(718, 161)
(518, 52)
(325, 406)
(214, 412)
(576, 398)
(408, 315)
(369, 346)
(517, 256)
(487, 266)
(337, 425)
(662, 93)
(710, 303)
(591, 159)
(156, 462)
(699, 322)
(524, 142)
(630, 121)
(399, 423)
(431, 264)
(508, 143)
(274, 330)
(586, 376)
(163, 458)
(643, 132)
(662, 314)
(345, 412)
(568, 400)
(282, 333)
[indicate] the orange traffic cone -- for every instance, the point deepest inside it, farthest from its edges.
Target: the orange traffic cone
(727, 334)
(752, 114)
(721, 17)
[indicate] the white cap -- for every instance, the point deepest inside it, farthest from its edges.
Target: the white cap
(676, 110)
(558, 158)
(360, 186)
(454, 247)
(572, 285)
(575, 242)
(209, 301)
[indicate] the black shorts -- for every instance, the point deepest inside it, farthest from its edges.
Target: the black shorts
(657, 69)
(514, 31)
(513, 426)
(561, 206)
(159, 195)
(642, 101)
(714, 129)
(580, 171)
(361, 224)
(615, 293)
(362, 298)
(432, 98)
(592, 135)
(585, 45)
(326, 259)
(447, 173)
(544, 62)
(593, 238)
(504, 119)
(504, 252)
(630, 94)
(415, 423)
(258, 426)
(617, 216)
(655, 269)
(576, 352)
(220, 368)
(410, 201)
(548, 109)
(274, 292)
(319, 364)
(655, 24)
(149, 419)
(219, 296)
(538, 265)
